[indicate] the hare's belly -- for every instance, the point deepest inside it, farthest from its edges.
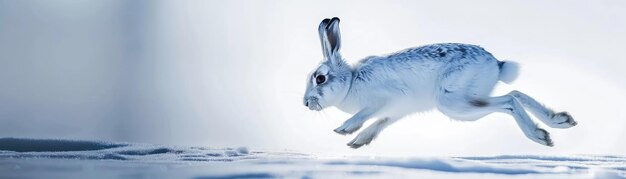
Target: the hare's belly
(399, 107)
(396, 107)
(390, 104)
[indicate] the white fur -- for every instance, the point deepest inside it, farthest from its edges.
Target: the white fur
(457, 79)
(509, 72)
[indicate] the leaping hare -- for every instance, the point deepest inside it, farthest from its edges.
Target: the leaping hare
(455, 78)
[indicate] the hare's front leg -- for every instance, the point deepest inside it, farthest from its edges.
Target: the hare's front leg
(356, 121)
(370, 133)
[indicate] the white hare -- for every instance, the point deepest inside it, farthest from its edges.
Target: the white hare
(455, 78)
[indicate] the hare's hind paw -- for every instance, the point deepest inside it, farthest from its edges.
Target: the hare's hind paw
(542, 137)
(563, 120)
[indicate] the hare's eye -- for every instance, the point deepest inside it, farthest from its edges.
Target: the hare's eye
(320, 79)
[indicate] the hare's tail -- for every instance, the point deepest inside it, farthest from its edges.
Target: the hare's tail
(508, 71)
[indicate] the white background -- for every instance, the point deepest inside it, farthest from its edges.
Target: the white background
(232, 73)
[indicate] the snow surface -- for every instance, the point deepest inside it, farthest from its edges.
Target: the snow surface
(35, 158)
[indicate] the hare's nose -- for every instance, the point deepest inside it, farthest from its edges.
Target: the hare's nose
(310, 101)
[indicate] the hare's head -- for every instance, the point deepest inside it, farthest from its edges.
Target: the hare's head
(328, 84)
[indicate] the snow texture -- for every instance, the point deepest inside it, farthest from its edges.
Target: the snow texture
(35, 158)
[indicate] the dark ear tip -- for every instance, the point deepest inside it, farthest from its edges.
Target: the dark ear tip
(326, 21)
(334, 20)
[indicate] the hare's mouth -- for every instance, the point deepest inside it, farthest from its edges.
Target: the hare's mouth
(315, 106)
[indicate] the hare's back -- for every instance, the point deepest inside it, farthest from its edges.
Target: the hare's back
(443, 52)
(424, 61)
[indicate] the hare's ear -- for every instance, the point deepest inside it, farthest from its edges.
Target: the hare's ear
(330, 37)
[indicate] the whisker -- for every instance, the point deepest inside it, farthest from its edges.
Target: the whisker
(318, 114)
(292, 93)
(324, 115)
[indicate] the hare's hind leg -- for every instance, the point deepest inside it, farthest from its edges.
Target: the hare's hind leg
(462, 107)
(555, 120)
(371, 132)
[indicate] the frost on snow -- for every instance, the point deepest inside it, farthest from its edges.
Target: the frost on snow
(28, 158)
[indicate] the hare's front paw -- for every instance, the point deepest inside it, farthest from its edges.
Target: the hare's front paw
(562, 120)
(348, 127)
(360, 140)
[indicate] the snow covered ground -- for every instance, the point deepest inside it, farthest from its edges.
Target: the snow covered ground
(42, 158)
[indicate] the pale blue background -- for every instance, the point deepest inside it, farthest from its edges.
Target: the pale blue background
(232, 73)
